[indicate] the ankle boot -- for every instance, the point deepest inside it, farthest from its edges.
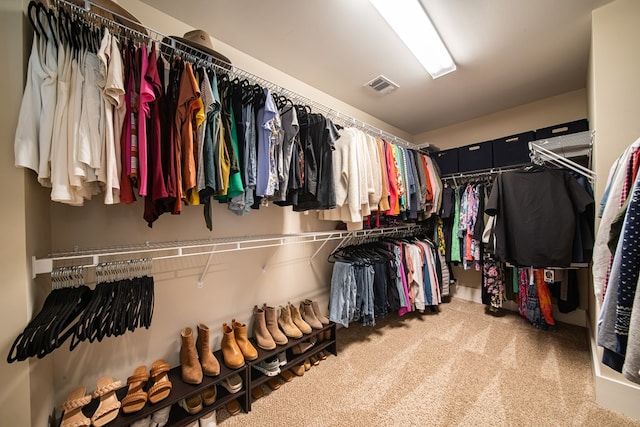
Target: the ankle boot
(230, 351)
(297, 320)
(260, 332)
(271, 316)
(287, 325)
(316, 310)
(309, 316)
(208, 361)
(240, 332)
(191, 369)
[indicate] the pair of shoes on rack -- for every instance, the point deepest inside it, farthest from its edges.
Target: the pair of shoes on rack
(311, 314)
(304, 346)
(324, 335)
(233, 383)
(270, 366)
(196, 358)
(159, 418)
(107, 410)
(208, 420)
(233, 407)
(236, 347)
(136, 397)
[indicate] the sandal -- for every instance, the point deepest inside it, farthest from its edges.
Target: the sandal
(161, 385)
(73, 416)
(136, 397)
(192, 404)
(109, 404)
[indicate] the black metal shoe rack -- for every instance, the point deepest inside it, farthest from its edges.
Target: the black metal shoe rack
(250, 378)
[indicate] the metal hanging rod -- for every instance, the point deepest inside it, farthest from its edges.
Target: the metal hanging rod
(167, 250)
(197, 56)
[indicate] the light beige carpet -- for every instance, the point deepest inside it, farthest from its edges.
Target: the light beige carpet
(460, 367)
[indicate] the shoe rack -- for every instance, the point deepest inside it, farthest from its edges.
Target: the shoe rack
(258, 378)
(251, 378)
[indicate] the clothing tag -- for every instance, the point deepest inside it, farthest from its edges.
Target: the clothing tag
(549, 276)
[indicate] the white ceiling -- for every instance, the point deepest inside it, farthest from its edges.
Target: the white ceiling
(508, 52)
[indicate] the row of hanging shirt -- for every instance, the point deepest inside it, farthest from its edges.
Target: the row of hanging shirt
(616, 266)
(374, 176)
(102, 113)
(370, 280)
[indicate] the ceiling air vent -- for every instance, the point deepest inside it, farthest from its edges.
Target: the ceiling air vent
(381, 84)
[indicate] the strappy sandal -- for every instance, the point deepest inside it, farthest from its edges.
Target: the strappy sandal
(136, 397)
(73, 416)
(109, 404)
(161, 385)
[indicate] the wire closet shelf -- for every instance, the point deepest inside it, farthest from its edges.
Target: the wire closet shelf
(135, 30)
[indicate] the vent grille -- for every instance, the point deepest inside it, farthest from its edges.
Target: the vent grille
(381, 84)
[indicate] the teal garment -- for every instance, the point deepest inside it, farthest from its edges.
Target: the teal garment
(455, 240)
(402, 201)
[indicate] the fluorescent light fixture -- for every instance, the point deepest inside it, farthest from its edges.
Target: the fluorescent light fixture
(409, 20)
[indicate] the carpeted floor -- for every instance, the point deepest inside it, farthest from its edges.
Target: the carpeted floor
(459, 367)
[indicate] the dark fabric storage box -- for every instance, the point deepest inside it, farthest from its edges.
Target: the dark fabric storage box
(562, 129)
(447, 161)
(512, 150)
(475, 156)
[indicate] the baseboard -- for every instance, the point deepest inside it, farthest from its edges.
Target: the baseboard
(613, 391)
(577, 317)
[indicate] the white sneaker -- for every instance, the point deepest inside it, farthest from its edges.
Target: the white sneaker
(282, 357)
(209, 420)
(160, 417)
(270, 367)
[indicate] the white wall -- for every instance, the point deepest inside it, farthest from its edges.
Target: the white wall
(614, 84)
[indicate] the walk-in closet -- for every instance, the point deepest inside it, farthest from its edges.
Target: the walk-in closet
(279, 213)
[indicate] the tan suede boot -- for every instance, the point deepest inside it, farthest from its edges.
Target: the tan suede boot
(231, 353)
(240, 331)
(271, 317)
(208, 361)
(260, 332)
(287, 325)
(191, 369)
(297, 320)
(309, 316)
(316, 310)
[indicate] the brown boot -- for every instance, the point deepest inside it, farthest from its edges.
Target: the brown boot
(287, 325)
(208, 361)
(260, 332)
(297, 320)
(240, 331)
(230, 351)
(316, 310)
(271, 317)
(191, 369)
(309, 316)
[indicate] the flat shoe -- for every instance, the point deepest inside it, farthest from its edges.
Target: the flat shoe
(298, 370)
(136, 397)
(322, 355)
(192, 404)
(233, 407)
(307, 364)
(287, 375)
(314, 360)
(72, 407)
(109, 405)
(161, 385)
(209, 395)
(274, 383)
(257, 392)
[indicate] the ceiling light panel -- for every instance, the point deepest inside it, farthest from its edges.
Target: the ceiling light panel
(410, 21)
